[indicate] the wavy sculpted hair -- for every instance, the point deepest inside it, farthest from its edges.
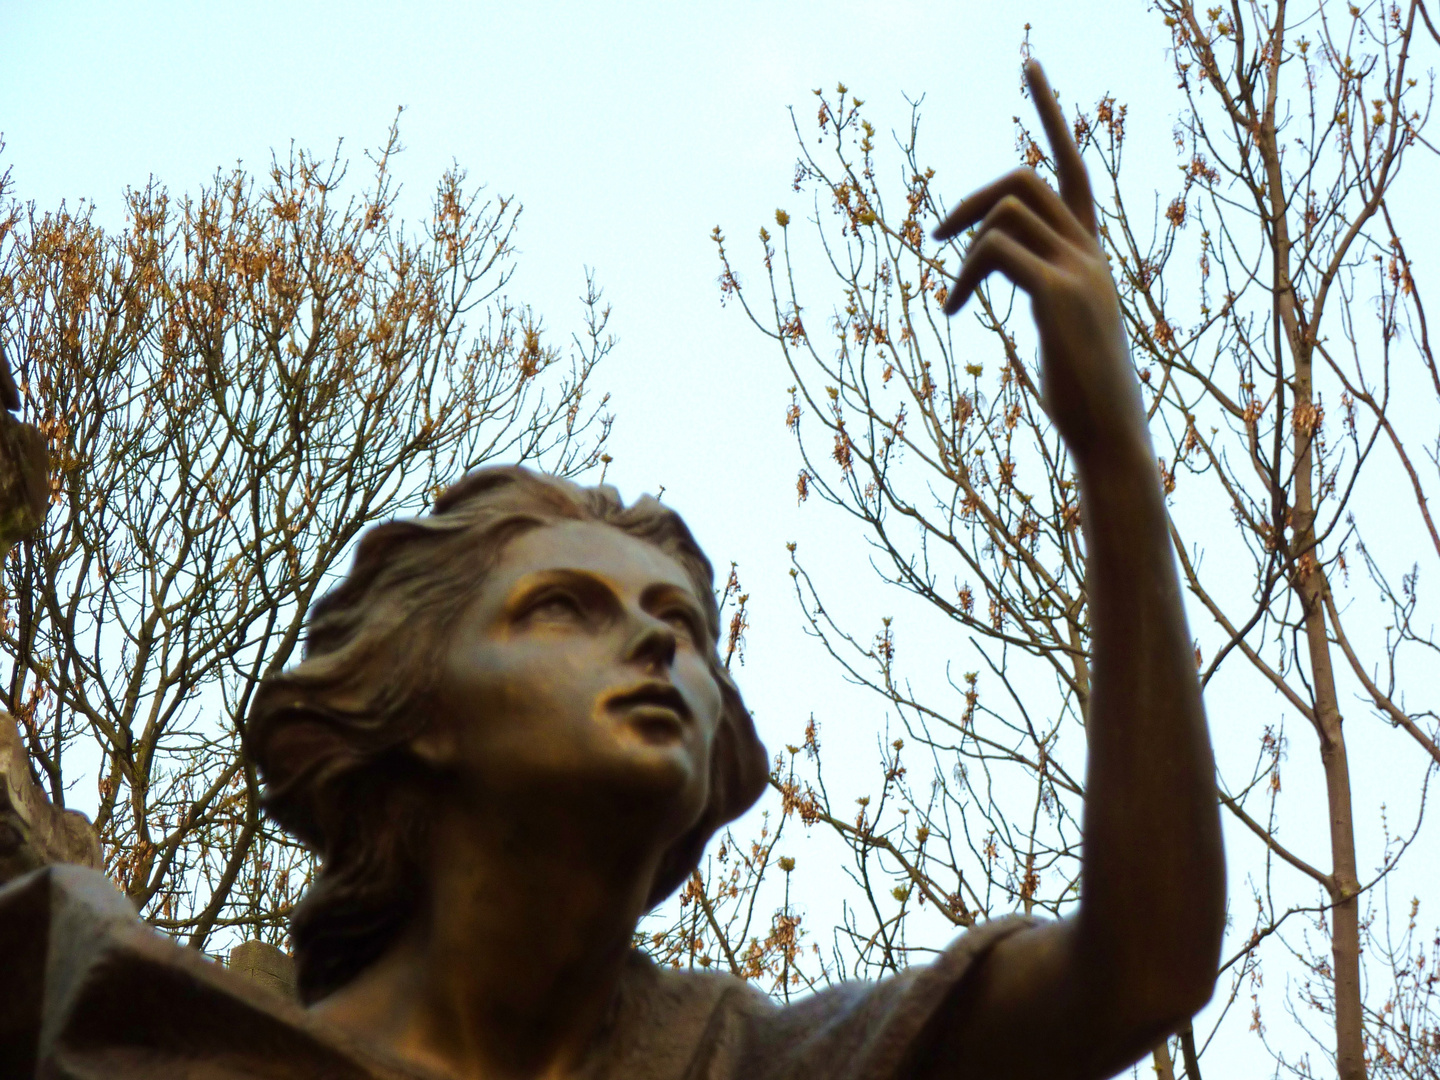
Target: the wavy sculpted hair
(330, 736)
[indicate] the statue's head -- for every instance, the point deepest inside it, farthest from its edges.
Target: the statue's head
(527, 639)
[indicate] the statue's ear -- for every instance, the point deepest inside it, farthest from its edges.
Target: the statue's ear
(435, 745)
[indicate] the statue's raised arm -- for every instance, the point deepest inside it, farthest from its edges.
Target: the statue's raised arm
(1086, 996)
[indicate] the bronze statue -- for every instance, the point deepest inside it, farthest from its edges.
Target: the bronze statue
(510, 736)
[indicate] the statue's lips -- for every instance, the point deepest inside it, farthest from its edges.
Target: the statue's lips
(655, 709)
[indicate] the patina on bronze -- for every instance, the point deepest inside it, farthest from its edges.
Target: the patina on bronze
(510, 736)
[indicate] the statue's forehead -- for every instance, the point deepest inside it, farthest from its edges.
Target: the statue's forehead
(624, 561)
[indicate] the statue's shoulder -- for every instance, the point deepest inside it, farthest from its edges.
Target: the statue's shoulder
(665, 1020)
(664, 994)
(680, 1023)
(92, 991)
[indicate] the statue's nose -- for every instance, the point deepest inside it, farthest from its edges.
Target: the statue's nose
(652, 643)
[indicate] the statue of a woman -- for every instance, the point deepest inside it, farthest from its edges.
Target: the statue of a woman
(510, 737)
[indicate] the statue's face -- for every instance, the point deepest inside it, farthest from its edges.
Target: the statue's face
(581, 672)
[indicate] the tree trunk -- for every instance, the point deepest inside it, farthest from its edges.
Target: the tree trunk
(1311, 585)
(1307, 578)
(1344, 883)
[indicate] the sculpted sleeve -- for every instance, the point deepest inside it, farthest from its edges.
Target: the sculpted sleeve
(866, 1031)
(88, 992)
(688, 1026)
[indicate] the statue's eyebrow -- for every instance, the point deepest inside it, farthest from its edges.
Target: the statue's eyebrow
(590, 585)
(596, 587)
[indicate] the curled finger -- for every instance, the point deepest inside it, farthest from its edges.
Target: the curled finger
(1015, 218)
(995, 251)
(1023, 185)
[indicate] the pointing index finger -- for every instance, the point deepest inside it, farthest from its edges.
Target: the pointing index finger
(1069, 167)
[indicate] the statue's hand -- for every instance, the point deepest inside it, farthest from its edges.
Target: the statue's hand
(24, 468)
(1047, 244)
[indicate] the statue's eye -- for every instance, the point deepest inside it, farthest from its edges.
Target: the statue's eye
(683, 623)
(557, 606)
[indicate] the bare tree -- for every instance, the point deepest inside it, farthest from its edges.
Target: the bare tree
(233, 385)
(1273, 282)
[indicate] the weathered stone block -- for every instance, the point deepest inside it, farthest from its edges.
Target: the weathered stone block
(266, 965)
(34, 833)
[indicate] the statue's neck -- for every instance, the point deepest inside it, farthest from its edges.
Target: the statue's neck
(514, 962)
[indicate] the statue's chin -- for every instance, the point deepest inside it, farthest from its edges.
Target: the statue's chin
(638, 778)
(658, 782)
